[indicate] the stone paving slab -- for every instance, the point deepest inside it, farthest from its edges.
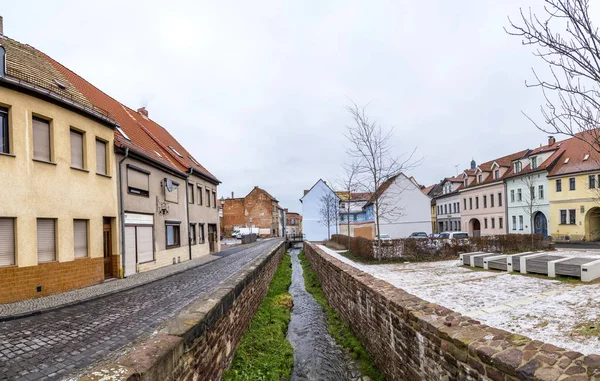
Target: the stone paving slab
(65, 341)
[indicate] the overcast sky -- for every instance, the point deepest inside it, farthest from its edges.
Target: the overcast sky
(257, 91)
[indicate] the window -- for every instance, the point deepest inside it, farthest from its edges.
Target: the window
(101, 157)
(571, 216)
(446, 209)
(485, 223)
(517, 167)
(470, 203)
(190, 193)
(519, 195)
(41, 139)
(500, 222)
(485, 201)
(4, 138)
(458, 207)
(520, 222)
(534, 162)
(479, 179)
(80, 238)
(192, 234)
(532, 193)
(214, 199)
(541, 192)
(201, 233)
(559, 185)
(173, 234)
(138, 181)
(572, 184)
(592, 181)
(512, 195)
(199, 195)
(493, 223)
(7, 241)
(465, 204)
(454, 204)
(76, 149)
(354, 217)
(46, 240)
(208, 197)
(499, 199)
(477, 202)
(173, 195)
(497, 174)
(563, 217)
(491, 200)
(514, 222)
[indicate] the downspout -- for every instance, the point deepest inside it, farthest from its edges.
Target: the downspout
(506, 222)
(187, 199)
(122, 210)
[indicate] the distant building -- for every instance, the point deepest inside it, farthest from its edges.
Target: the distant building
(447, 205)
(293, 224)
(258, 210)
(354, 216)
(313, 228)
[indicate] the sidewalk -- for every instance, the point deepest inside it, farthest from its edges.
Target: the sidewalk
(29, 307)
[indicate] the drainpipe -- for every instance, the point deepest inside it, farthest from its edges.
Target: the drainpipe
(122, 210)
(506, 222)
(187, 199)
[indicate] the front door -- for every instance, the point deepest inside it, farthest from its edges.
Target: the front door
(212, 237)
(540, 224)
(108, 267)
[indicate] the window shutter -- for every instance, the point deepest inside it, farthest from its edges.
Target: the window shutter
(76, 149)
(144, 244)
(80, 238)
(46, 240)
(191, 193)
(100, 157)
(7, 241)
(41, 139)
(137, 179)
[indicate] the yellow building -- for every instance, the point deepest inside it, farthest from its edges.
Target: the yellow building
(574, 193)
(58, 214)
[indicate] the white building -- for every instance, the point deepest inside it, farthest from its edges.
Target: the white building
(312, 227)
(447, 205)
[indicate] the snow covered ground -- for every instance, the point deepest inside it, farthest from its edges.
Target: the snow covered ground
(542, 309)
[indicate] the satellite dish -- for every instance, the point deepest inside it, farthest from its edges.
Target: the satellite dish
(169, 184)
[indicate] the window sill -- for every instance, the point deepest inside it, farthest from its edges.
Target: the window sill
(44, 161)
(151, 261)
(7, 154)
(80, 169)
(80, 258)
(104, 175)
(173, 247)
(7, 267)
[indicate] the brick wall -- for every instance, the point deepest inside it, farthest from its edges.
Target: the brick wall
(412, 339)
(19, 283)
(233, 214)
(257, 205)
(199, 343)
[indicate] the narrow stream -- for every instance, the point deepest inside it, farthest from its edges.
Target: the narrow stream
(317, 357)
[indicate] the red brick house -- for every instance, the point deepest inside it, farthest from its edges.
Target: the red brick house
(258, 210)
(293, 223)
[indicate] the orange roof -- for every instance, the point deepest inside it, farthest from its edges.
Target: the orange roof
(577, 156)
(488, 178)
(354, 196)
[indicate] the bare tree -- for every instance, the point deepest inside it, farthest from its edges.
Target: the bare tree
(530, 202)
(571, 92)
(349, 184)
(372, 148)
(328, 211)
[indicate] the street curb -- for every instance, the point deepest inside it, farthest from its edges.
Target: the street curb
(76, 302)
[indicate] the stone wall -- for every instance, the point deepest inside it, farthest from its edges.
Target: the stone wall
(412, 339)
(199, 343)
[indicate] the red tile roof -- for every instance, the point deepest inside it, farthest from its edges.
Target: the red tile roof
(487, 175)
(575, 150)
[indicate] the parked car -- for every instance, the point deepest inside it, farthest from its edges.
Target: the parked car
(434, 235)
(384, 238)
(448, 237)
(418, 235)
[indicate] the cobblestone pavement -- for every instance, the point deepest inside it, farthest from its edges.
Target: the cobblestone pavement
(58, 343)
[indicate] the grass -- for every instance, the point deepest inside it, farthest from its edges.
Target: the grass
(337, 328)
(588, 329)
(264, 352)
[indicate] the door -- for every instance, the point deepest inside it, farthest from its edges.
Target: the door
(130, 251)
(540, 224)
(212, 237)
(107, 243)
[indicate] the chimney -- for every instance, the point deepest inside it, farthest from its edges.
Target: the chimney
(1, 25)
(551, 140)
(143, 111)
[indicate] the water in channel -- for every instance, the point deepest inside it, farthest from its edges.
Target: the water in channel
(317, 357)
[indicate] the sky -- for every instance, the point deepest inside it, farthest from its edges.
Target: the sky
(257, 91)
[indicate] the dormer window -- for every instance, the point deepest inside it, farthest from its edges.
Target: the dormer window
(479, 179)
(497, 174)
(534, 162)
(517, 167)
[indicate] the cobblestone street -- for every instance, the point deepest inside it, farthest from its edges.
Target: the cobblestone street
(59, 343)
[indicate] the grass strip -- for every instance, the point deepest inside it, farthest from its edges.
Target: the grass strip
(336, 326)
(264, 352)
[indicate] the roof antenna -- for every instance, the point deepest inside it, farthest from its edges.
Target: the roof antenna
(456, 166)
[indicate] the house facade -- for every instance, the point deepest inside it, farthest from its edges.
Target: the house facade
(482, 196)
(55, 156)
(447, 205)
(527, 198)
(574, 193)
(312, 226)
(259, 210)
(404, 208)
(293, 224)
(353, 216)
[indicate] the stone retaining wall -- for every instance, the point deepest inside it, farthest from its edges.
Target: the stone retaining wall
(412, 339)
(199, 343)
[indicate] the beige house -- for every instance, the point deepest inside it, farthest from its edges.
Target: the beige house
(56, 156)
